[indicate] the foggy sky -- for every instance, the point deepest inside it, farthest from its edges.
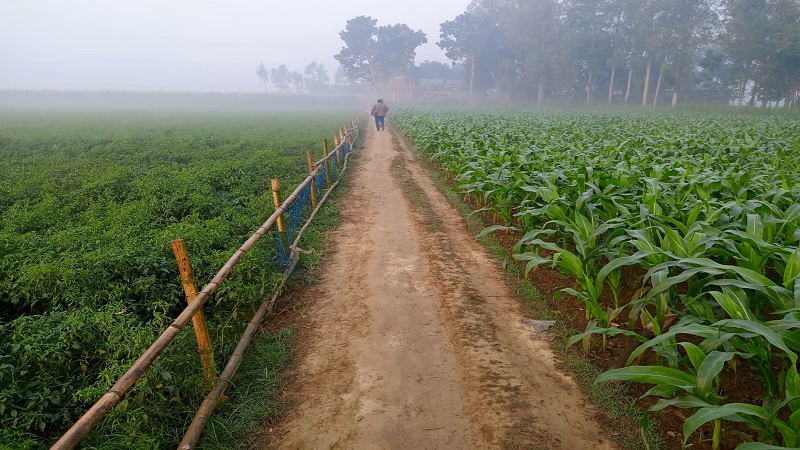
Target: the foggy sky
(181, 45)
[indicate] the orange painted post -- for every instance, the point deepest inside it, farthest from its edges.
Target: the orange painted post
(327, 166)
(198, 320)
(313, 181)
(276, 200)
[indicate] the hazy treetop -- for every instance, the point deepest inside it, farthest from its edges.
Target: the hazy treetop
(212, 45)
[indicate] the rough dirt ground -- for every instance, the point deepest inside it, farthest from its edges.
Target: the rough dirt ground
(412, 340)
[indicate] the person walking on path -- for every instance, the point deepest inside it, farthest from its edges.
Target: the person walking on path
(379, 110)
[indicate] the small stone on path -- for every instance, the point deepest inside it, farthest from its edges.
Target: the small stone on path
(539, 325)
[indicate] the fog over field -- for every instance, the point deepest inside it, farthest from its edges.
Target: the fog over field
(185, 45)
(556, 53)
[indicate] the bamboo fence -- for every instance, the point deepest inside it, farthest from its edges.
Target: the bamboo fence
(196, 300)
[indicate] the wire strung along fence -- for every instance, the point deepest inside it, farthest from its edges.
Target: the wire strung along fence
(324, 175)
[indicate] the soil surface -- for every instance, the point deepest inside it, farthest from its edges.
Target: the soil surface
(411, 339)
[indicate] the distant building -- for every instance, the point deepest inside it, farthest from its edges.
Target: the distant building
(705, 93)
(438, 90)
(399, 89)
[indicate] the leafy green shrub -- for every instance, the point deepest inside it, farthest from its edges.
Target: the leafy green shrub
(88, 205)
(57, 363)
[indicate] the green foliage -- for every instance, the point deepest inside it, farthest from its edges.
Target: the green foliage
(88, 205)
(375, 53)
(255, 396)
(708, 206)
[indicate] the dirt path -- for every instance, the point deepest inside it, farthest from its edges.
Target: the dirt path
(413, 340)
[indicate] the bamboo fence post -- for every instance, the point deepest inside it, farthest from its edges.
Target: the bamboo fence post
(327, 166)
(198, 320)
(106, 403)
(313, 181)
(276, 200)
(338, 151)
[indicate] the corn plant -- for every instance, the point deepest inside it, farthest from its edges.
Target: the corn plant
(706, 206)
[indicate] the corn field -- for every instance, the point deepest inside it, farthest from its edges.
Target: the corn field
(706, 207)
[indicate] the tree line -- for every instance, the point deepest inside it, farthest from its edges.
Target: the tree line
(628, 52)
(314, 78)
(615, 51)
(603, 50)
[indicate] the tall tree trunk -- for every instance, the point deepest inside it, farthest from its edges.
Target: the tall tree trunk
(611, 83)
(742, 86)
(589, 89)
(787, 103)
(658, 85)
(675, 97)
(374, 78)
(471, 78)
(540, 95)
(752, 101)
(628, 89)
(645, 94)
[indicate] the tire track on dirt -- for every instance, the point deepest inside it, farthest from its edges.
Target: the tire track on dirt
(516, 396)
(377, 369)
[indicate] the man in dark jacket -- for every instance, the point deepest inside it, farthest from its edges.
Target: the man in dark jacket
(379, 110)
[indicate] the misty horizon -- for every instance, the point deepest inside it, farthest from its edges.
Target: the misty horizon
(183, 46)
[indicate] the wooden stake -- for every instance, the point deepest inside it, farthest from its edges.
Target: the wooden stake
(327, 166)
(106, 403)
(198, 320)
(276, 200)
(313, 182)
(338, 151)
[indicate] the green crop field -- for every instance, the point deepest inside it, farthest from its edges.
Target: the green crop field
(703, 214)
(89, 202)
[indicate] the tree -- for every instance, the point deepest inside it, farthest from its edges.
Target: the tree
(340, 77)
(688, 25)
(540, 45)
(471, 37)
(572, 48)
(762, 38)
(281, 78)
(297, 81)
(616, 23)
(373, 54)
(645, 30)
(263, 75)
(592, 24)
(315, 77)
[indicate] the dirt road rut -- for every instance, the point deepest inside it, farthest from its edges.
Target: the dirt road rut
(412, 339)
